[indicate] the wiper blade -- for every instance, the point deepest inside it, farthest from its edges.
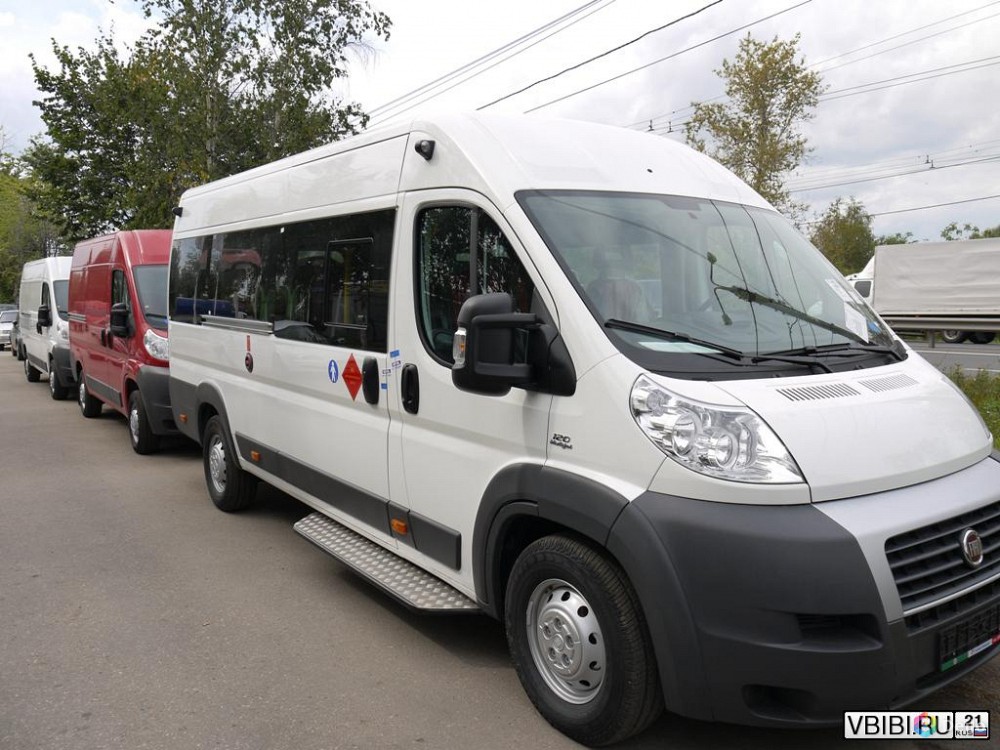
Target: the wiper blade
(627, 325)
(845, 350)
(776, 304)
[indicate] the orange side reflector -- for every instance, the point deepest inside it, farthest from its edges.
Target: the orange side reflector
(399, 526)
(184, 418)
(255, 456)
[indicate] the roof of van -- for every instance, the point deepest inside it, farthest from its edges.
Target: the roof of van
(496, 155)
(142, 247)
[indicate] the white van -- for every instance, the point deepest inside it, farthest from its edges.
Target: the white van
(43, 320)
(586, 381)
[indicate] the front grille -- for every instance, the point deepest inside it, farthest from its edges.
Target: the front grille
(928, 566)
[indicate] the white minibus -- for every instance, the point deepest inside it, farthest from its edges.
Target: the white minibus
(586, 381)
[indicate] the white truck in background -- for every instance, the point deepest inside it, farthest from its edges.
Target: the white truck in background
(952, 288)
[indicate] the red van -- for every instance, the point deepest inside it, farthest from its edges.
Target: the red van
(118, 331)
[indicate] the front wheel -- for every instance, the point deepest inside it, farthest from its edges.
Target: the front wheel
(56, 387)
(579, 642)
(90, 405)
(230, 487)
(982, 337)
(140, 434)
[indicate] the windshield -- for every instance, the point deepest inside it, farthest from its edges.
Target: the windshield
(8, 316)
(61, 289)
(682, 275)
(151, 286)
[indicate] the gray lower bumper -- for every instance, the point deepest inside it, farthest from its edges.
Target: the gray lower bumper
(790, 615)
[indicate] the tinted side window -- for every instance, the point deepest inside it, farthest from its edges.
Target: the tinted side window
(323, 282)
(460, 252)
(188, 264)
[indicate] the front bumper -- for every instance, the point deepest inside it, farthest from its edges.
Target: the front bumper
(780, 615)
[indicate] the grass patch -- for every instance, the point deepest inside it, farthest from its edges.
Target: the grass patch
(983, 390)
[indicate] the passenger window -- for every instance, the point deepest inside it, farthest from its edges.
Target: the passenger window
(239, 275)
(461, 251)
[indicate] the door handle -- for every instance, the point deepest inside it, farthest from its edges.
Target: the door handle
(410, 387)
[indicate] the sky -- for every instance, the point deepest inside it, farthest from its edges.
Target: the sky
(909, 118)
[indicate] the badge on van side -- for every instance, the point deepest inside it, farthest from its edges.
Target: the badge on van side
(561, 441)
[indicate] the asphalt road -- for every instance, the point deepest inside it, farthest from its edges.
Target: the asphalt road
(135, 615)
(970, 357)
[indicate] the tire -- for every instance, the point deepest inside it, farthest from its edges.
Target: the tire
(57, 390)
(954, 337)
(30, 372)
(90, 406)
(140, 434)
(230, 488)
(982, 337)
(578, 639)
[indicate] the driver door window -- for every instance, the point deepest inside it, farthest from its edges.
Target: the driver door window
(461, 252)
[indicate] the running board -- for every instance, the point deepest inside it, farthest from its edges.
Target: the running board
(401, 579)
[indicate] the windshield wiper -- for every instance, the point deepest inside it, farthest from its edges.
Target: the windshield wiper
(776, 304)
(627, 325)
(806, 359)
(845, 350)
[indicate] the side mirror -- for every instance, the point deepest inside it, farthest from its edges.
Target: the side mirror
(484, 345)
(44, 317)
(119, 320)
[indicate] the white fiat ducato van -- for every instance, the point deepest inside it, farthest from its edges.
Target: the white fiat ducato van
(588, 382)
(43, 320)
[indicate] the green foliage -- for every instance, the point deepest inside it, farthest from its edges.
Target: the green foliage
(23, 236)
(844, 235)
(968, 232)
(756, 133)
(899, 238)
(983, 390)
(214, 88)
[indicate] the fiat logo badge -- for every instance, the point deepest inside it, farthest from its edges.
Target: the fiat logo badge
(972, 548)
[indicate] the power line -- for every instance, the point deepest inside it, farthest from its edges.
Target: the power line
(936, 205)
(668, 57)
(381, 111)
(603, 54)
(926, 168)
(679, 110)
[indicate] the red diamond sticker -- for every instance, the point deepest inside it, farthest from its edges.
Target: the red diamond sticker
(352, 376)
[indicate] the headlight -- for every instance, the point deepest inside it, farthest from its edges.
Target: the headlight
(728, 442)
(157, 345)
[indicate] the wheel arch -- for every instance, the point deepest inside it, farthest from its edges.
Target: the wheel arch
(527, 501)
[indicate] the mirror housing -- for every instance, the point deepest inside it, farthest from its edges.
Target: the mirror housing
(119, 320)
(44, 317)
(484, 348)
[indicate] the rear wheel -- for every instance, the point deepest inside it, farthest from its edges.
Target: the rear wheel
(954, 337)
(230, 487)
(30, 372)
(140, 434)
(982, 337)
(578, 640)
(90, 406)
(56, 387)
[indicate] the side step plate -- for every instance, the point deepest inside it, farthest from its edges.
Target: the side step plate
(402, 579)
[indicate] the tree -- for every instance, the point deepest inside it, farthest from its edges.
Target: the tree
(756, 133)
(23, 235)
(968, 232)
(898, 238)
(215, 87)
(844, 235)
